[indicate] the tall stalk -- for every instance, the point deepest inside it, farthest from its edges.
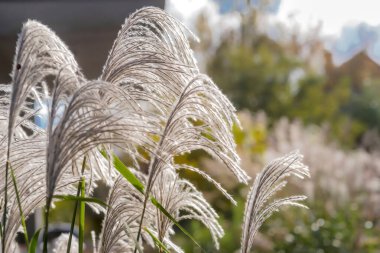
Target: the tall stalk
(47, 211)
(23, 223)
(75, 209)
(5, 203)
(82, 210)
(73, 221)
(142, 218)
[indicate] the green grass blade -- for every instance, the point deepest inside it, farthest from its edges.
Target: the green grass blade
(125, 172)
(23, 223)
(75, 209)
(34, 242)
(80, 199)
(73, 221)
(167, 214)
(82, 209)
(158, 243)
(46, 229)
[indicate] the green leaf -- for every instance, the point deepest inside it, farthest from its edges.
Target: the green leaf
(73, 221)
(167, 214)
(82, 209)
(158, 243)
(75, 209)
(34, 242)
(20, 207)
(125, 172)
(81, 199)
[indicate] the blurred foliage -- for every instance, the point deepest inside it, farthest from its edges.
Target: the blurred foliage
(366, 106)
(332, 224)
(259, 73)
(319, 231)
(295, 231)
(245, 74)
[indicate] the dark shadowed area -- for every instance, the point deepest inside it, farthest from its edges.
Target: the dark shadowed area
(87, 27)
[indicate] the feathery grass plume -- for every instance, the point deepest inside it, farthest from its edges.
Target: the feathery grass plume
(271, 180)
(23, 127)
(96, 114)
(201, 118)
(120, 224)
(5, 97)
(125, 204)
(64, 87)
(151, 48)
(29, 169)
(39, 54)
(60, 244)
(184, 202)
(29, 157)
(151, 57)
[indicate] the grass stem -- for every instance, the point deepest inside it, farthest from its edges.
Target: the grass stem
(46, 229)
(4, 221)
(75, 210)
(82, 210)
(23, 223)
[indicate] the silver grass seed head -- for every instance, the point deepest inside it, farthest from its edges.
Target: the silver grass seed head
(260, 204)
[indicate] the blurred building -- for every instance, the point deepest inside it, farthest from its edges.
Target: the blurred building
(88, 27)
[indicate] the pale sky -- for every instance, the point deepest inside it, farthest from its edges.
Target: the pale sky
(334, 14)
(347, 26)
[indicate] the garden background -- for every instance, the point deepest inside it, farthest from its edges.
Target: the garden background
(298, 83)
